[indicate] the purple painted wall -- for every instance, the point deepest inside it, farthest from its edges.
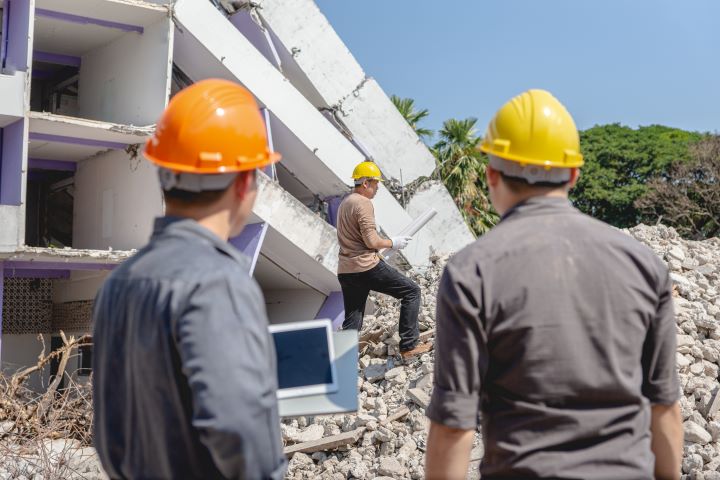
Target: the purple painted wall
(48, 266)
(66, 17)
(47, 164)
(3, 39)
(23, 273)
(15, 36)
(89, 142)
(333, 207)
(57, 58)
(270, 169)
(334, 309)
(11, 158)
(2, 286)
(250, 242)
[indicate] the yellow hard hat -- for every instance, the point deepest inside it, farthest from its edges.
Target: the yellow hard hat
(534, 128)
(367, 170)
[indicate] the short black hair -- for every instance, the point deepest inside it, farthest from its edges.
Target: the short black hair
(520, 185)
(184, 197)
(202, 199)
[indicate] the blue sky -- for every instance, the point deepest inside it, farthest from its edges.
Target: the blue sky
(637, 62)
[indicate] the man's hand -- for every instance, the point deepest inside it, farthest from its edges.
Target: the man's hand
(448, 452)
(400, 242)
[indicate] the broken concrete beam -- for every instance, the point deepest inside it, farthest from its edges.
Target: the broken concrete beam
(327, 443)
(418, 396)
(714, 405)
(396, 415)
(341, 439)
(427, 335)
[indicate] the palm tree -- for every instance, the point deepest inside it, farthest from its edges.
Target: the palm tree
(461, 167)
(406, 107)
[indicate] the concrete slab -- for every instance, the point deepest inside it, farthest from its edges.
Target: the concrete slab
(447, 230)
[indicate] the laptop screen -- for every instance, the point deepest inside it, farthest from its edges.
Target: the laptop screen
(303, 357)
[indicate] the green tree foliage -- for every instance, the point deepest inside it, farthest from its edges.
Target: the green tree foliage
(687, 197)
(619, 163)
(406, 107)
(462, 169)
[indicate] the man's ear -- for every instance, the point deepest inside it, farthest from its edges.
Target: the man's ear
(492, 176)
(244, 183)
(574, 177)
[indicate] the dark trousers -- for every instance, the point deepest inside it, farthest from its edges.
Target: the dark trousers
(384, 279)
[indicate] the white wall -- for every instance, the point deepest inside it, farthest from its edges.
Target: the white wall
(9, 216)
(128, 80)
(321, 54)
(82, 285)
(116, 200)
(12, 93)
(292, 305)
(19, 351)
(376, 122)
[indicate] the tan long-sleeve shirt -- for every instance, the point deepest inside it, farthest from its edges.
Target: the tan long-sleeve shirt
(356, 230)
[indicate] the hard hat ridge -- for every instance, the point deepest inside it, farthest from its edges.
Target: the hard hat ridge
(211, 127)
(534, 128)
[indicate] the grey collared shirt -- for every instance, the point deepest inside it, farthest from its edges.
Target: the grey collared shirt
(558, 331)
(184, 366)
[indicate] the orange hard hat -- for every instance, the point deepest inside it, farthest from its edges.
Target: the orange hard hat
(213, 126)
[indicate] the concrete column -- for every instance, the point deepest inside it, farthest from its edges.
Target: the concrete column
(250, 242)
(11, 161)
(334, 309)
(2, 292)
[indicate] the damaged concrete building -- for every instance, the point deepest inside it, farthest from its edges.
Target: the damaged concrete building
(82, 84)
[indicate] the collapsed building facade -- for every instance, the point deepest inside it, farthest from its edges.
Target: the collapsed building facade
(82, 84)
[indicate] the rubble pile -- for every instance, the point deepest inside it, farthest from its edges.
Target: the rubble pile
(386, 438)
(396, 449)
(695, 271)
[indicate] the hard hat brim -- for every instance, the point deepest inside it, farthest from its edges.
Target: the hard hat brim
(370, 178)
(579, 162)
(246, 165)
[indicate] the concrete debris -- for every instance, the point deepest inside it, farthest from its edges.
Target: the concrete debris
(695, 272)
(387, 437)
(396, 450)
(68, 254)
(418, 396)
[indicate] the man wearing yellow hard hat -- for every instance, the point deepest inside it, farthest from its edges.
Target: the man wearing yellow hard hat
(184, 366)
(361, 270)
(554, 329)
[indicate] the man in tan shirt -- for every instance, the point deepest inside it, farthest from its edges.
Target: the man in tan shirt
(361, 270)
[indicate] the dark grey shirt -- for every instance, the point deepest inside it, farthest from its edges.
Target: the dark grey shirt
(184, 366)
(560, 330)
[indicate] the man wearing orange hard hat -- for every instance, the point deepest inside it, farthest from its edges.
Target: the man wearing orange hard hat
(554, 329)
(184, 367)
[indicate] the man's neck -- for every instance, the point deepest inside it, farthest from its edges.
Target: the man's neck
(521, 198)
(361, 192)
(218, 222)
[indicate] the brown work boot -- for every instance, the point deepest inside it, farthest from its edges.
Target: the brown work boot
(416, 350)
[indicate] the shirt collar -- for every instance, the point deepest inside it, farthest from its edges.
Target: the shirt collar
(539, 205)
(189, 228)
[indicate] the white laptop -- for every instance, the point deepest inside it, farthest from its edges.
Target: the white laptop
(305, 358)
